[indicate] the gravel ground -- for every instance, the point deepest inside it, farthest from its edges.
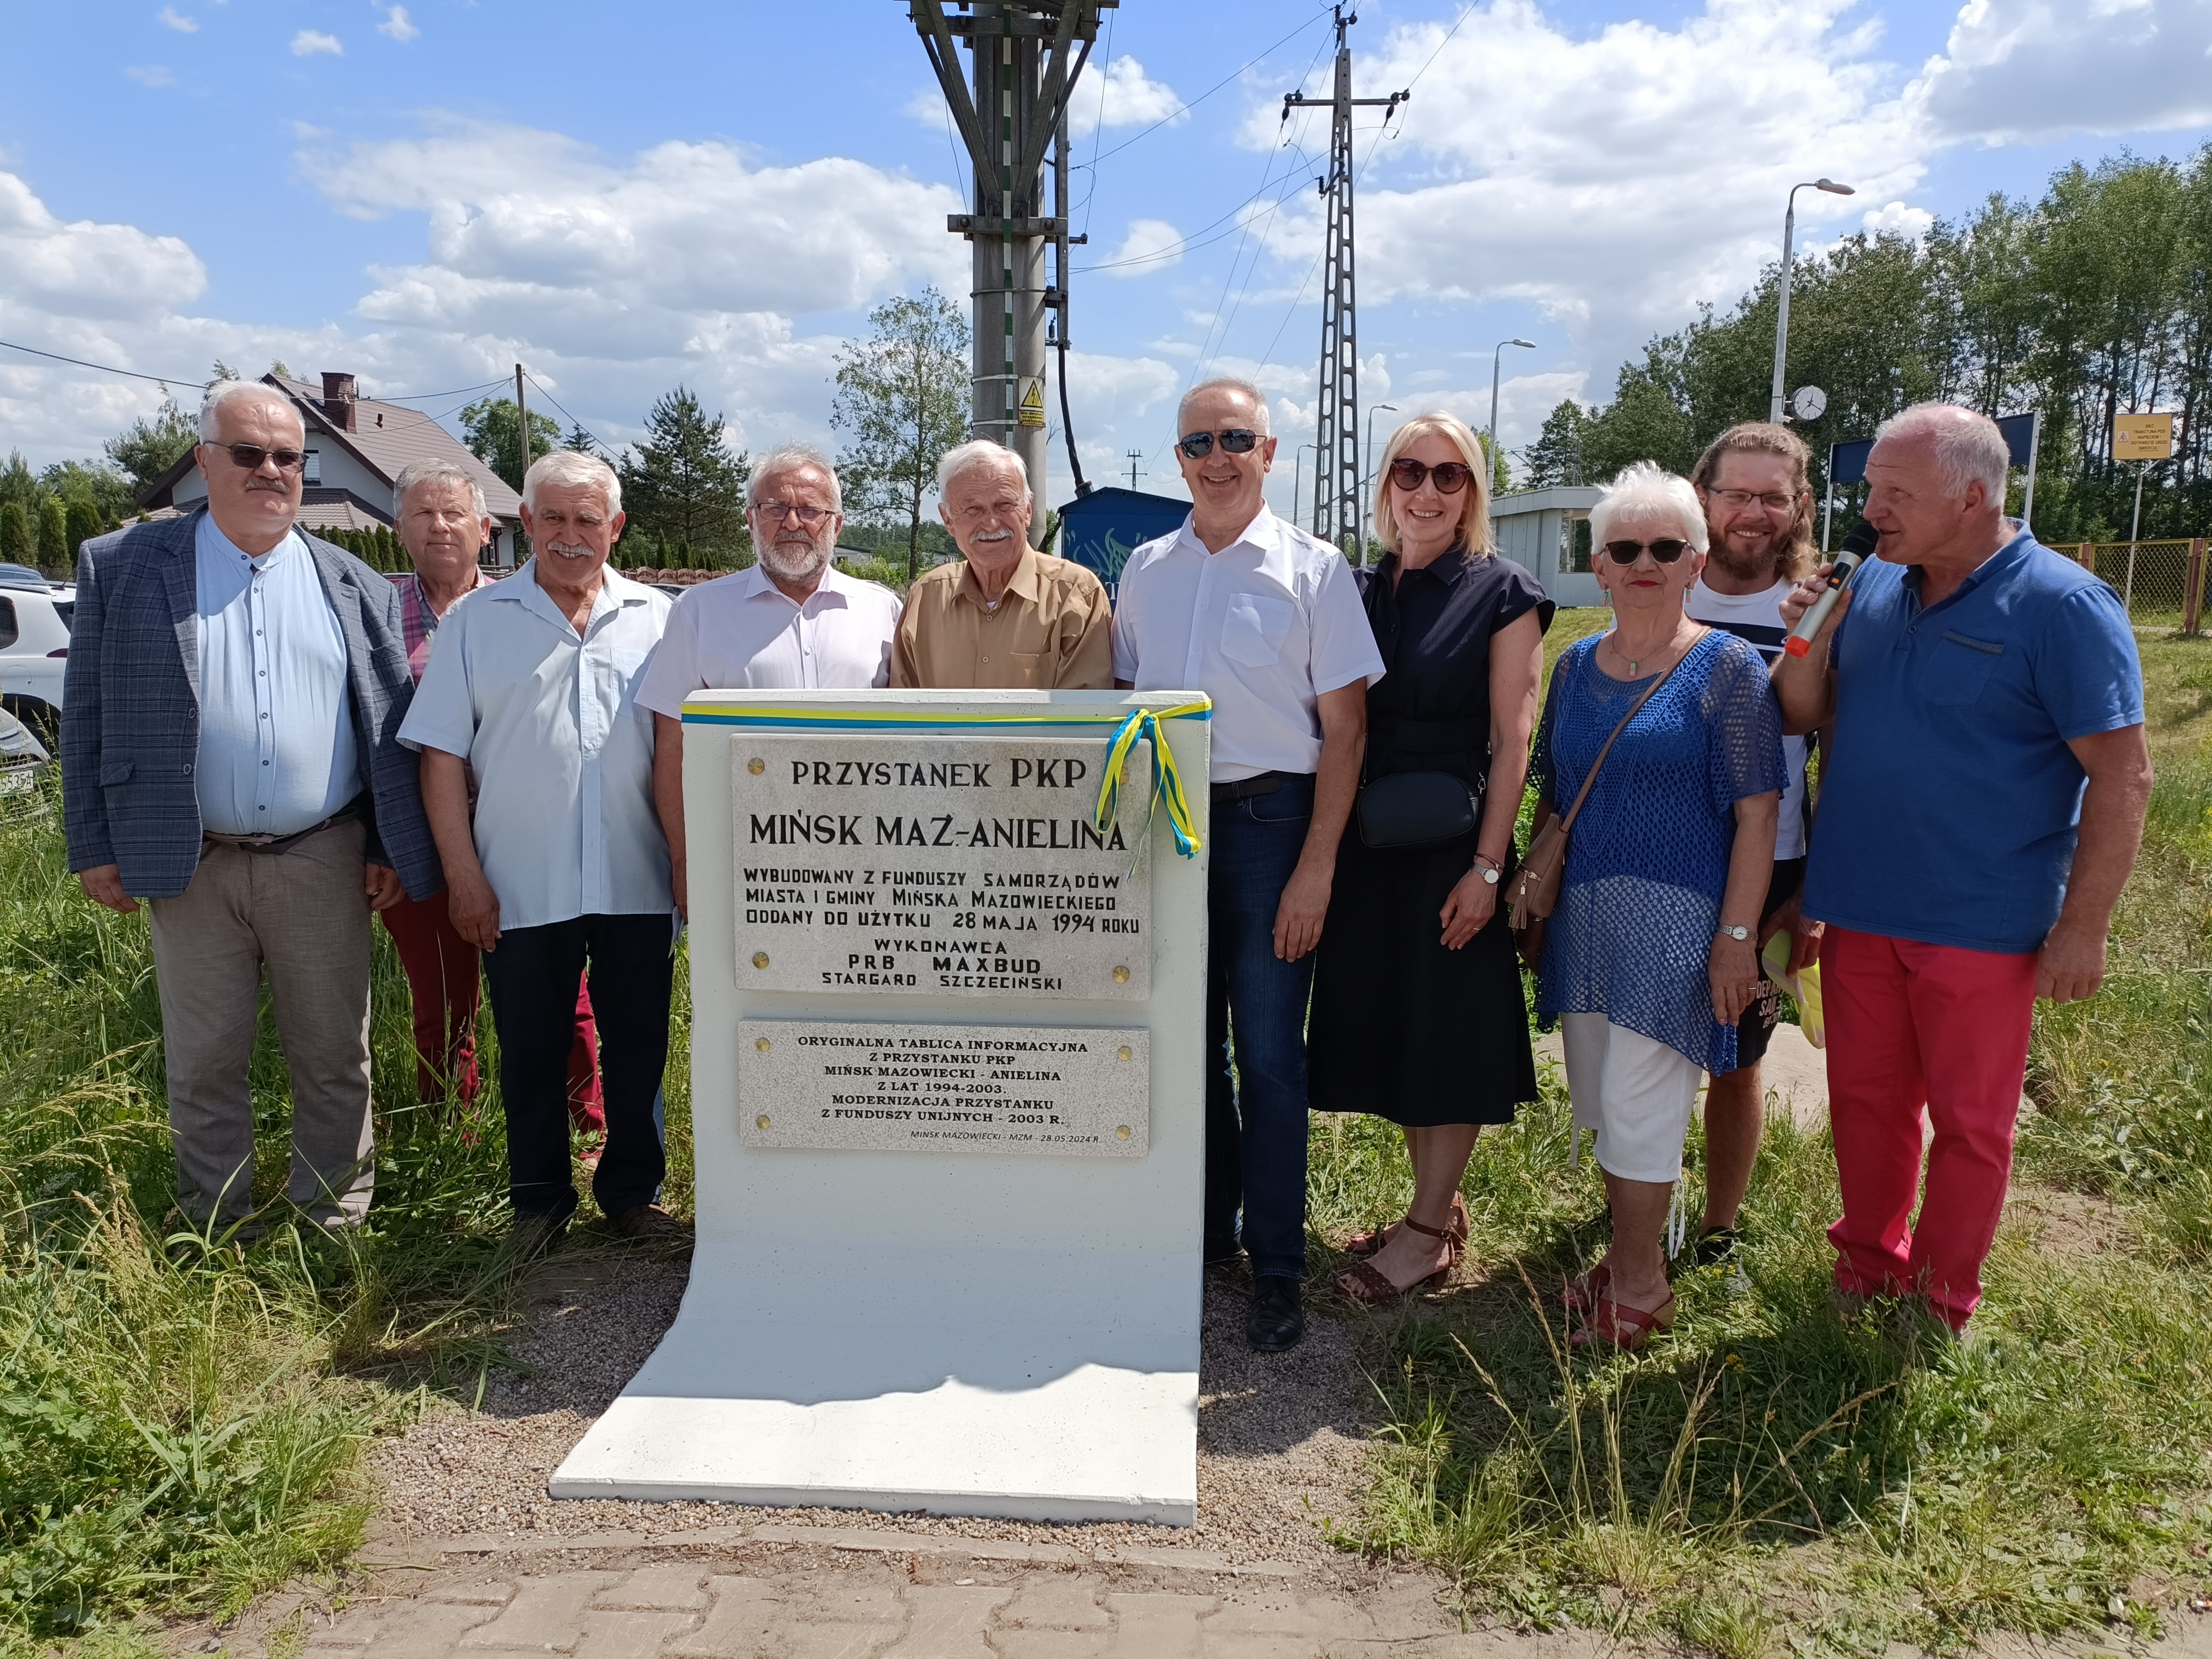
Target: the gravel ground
(1279, 1436)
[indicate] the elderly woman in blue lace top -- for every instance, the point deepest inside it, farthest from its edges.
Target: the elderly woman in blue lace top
(1650, 956)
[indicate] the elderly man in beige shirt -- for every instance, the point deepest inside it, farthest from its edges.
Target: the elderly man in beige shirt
(1004, 616)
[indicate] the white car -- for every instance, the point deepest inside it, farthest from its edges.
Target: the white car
(35, 638)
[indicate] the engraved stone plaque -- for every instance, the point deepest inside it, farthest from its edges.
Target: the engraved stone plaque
(861, 1086)
(939, 866)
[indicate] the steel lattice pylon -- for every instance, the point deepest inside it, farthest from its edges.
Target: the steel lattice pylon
(1336, 516)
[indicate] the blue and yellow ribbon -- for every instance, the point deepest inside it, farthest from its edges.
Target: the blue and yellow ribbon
(1167, 782)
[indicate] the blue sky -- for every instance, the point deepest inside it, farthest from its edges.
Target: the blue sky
(715, 195)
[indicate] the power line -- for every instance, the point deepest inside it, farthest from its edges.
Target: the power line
(1184, 109)
(573, 420)
(107, 368)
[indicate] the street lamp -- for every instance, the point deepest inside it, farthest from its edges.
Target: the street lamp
(1490, 438)
(1376, 409)
(1782, 312)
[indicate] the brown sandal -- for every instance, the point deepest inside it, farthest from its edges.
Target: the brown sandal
(1364, 1282)
(1368, 1243)
(1622, 1326)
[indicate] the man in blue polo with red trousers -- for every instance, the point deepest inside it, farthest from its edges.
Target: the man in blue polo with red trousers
(1979, 814)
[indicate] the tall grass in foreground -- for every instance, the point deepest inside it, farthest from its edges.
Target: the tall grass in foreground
(181, 1417)
(1771, 1476)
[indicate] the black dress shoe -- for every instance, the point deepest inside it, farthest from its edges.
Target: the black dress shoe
(1276, 1321)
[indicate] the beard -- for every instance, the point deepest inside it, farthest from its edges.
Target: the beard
(1768, 560)
(793, 558)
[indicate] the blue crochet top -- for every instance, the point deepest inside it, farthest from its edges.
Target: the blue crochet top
(1647, 860)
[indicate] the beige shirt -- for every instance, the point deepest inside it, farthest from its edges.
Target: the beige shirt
(1050, 631)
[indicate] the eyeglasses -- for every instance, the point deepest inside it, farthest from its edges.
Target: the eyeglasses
(1449, 476)
(1237, 440)
(1736, 500)
(777, 511)
(1666, 551)
(250, 456)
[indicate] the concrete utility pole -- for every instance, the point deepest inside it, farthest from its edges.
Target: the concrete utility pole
(1336, 512)
(1028, 56)
(1135, 458)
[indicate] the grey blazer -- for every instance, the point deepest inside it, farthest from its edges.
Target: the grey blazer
(130, 709)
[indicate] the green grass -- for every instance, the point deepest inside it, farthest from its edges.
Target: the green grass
(1770, 1476)
(181, 1420)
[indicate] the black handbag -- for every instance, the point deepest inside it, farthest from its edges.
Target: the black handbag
(1406, 812)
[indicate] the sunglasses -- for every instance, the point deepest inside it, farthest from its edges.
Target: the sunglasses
(1237, 440)
(1666, 551)
(250, 456)
(1450, 477)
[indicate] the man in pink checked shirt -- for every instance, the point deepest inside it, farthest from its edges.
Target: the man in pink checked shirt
(445, 524)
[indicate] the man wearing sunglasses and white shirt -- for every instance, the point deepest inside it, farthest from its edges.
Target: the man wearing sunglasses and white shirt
(230, 752)
(1266, 621)
(1755, 483)
(792, 620)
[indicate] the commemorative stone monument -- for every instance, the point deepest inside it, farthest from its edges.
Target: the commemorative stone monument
(948, 987)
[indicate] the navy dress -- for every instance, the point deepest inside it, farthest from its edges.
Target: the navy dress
(1401, 1027)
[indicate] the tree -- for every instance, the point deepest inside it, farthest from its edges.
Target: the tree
(148, 447)
(53, 534)
(109, 490)
(683, 486)
(83, 522)
(903, 395)
(19, 484)
(580, 441)
(17, 544)
(489, 428)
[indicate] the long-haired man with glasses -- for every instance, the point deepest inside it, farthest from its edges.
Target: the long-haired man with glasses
(230, 751)
(1755, 483)
(1266, 621)
(792, 620)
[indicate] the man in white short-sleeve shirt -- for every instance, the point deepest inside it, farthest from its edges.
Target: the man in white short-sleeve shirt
(532, 685)
(1266, 621)
(794, 620)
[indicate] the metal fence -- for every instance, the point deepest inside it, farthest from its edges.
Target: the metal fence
(2162, 583)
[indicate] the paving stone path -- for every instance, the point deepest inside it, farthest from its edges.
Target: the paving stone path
(804, 1593)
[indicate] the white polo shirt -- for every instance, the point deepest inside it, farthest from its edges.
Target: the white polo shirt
(1265, 626)
(563, 751)
(743, 631)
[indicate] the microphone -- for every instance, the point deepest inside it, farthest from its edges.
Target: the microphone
(1856, 547)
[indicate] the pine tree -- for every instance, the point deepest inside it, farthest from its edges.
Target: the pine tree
(17, 544)
(82, 519)
(53, 534)
(683, 485)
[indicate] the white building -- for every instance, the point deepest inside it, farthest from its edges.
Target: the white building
(1546, 533)
(356, 447)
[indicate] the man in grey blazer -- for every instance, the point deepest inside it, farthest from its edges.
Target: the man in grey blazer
(230, 754)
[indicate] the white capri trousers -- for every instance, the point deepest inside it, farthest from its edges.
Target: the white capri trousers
(1636, 1093)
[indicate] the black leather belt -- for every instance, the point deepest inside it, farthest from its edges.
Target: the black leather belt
(1262, 783)
(345, 814)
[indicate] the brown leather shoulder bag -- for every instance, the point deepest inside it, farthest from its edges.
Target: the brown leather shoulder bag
(1536, 884)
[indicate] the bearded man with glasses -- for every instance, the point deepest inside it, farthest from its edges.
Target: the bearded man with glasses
(1755, 483)
(1266, 621)
(230, 753)
(792, 620)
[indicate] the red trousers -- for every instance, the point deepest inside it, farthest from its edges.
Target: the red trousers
(442, 977)
(1913, 1026)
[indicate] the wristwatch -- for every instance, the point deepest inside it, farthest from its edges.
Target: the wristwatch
(1737, 933)
(1489, 872)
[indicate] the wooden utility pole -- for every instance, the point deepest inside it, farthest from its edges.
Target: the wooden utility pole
(1336, 510)
(1028, 56)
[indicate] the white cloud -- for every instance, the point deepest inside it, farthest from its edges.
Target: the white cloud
(182, 25)
(1151, 245)
(398, 25)
(1898, 219)
(1124, 96)
(151, 75)
(309, 43)
(2015, 69)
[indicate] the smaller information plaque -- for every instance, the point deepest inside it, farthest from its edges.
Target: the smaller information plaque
(861, 1086)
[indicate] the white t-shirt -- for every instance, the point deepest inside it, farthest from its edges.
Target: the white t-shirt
(1265, 627)
(1756, 619)
(742, 631)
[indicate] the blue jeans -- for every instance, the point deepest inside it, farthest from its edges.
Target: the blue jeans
(1255, 1118)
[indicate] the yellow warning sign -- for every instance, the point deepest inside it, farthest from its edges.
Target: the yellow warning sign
(2143, 437)
(1030, 410)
